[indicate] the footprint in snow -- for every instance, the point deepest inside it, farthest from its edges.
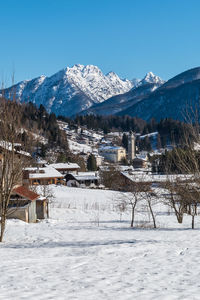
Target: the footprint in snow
(183, 251)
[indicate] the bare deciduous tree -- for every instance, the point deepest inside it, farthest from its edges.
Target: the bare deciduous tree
(173, 200)
(135, 191)
(111, 178)
(12, 161)
(184, 190)
(151, 199)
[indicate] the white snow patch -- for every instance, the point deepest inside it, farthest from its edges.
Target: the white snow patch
(84, 252)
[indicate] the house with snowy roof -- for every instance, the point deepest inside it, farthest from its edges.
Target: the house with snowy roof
(141, 160)
(43, 176)
(83, 179)
(66, 168)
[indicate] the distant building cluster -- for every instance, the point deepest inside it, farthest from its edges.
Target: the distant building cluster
(106, 149)
(113, 153)
(116, 154)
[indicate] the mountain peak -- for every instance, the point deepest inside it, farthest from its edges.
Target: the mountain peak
(83, 70)
(72, 89)
(151, 78)
(111, 73)
(77, 66)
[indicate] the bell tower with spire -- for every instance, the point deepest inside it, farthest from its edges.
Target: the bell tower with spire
(131, 146)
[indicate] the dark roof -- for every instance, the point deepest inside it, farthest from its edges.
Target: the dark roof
(26, 193)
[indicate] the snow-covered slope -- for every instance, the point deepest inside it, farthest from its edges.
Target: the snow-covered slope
(71, 90)
(116, 104)
(87, 250)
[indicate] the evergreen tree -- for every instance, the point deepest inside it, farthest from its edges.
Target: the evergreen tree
(105, 129)
(61, 158)
(158, 142)
(147, 144)
(43, 150)
(91, 163)
(163, 141)
(125, 141)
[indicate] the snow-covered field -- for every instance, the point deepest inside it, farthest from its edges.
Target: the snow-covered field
(85, 252)
(77, 148)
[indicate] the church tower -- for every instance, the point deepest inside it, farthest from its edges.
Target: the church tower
(131, 146)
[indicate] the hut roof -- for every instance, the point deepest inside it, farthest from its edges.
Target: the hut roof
(26, 193)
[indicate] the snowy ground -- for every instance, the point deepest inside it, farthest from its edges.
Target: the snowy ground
(77, 148)
(85, 252)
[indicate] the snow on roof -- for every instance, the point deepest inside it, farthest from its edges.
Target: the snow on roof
(24, 153)
(105, 141)
(65, 166)
(111, 148)
(124, 168)
(41, 161)
(157, 152)
(9, 146)
(6, 145)
(114, 133)
(86, 176)
(142, 177)
(154, 134)
(142, 156)
(46, 172)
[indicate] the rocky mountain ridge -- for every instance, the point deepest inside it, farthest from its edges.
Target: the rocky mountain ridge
(178, 99)
(73, 90)
(70, 90)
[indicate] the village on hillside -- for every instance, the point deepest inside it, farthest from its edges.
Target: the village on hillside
(99, 153)
(111, 161)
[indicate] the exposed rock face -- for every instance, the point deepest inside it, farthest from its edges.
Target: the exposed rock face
(71, 90)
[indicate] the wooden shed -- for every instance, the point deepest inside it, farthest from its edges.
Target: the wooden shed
(27, 205)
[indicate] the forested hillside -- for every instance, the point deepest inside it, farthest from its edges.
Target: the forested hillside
(170, 131)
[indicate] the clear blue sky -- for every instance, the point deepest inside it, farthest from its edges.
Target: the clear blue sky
(129, 37)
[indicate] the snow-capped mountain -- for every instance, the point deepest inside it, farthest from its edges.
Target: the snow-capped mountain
(178, 99)
(116, 104)
(71, 90)
(85, 89)
(151, 78)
